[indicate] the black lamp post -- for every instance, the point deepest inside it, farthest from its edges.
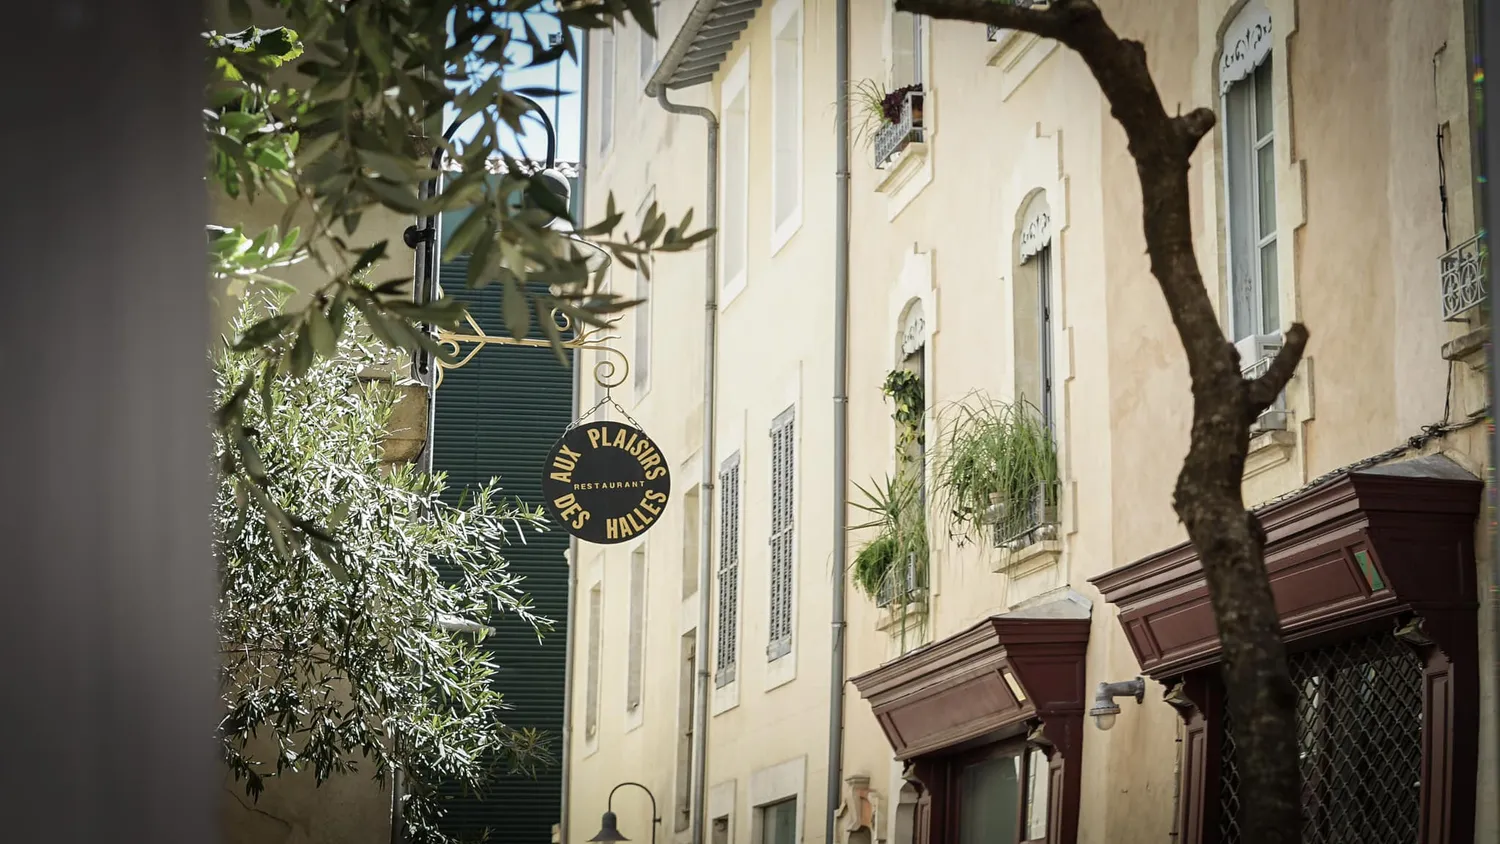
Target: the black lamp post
(609, 830)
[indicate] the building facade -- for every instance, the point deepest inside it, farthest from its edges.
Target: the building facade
(998, 264)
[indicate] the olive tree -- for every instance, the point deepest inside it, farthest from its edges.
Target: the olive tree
(365, 651)
(1229, 538)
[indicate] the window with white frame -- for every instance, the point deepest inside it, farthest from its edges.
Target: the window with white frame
(729, 571)
(735, 194)
(606, 90)
(786, 119)
(1034, 354)
(906, 49)
(637, 643)
(1250, 174)
(642, 314)
(595, 642)
(783, 575)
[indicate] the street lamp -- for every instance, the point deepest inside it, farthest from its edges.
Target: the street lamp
(608, 828)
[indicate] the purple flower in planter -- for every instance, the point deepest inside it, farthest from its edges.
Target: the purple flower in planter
(890, 106)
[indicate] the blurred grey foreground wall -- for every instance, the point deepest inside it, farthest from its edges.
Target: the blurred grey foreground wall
(106, 575)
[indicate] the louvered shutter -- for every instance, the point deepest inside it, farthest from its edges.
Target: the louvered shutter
(783, 475)
(486, 425)
(591, 717)
(637, 629)
(729, 572)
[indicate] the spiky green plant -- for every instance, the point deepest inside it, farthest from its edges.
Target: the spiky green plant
(993, 454)
(867, 109)
(899, 517)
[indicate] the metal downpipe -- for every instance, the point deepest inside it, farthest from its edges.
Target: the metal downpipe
(840, 418)
(1488, 41)
(705, 491)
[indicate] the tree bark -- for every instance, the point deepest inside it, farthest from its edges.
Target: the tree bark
(1228, 538)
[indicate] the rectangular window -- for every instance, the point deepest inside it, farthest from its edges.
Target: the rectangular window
(906, 49)
(1250, 173)
(591, 700)
(779, 823)
(783, 481)
(637, 642)
(606, 90)
(786, 118)
(734, 210)
(1002, 795)
(729, 571)
(683, 817)
(642, 314)
(691, 519)
(1044, 342)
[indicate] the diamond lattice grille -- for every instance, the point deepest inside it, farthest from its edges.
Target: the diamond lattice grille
(1359, 734)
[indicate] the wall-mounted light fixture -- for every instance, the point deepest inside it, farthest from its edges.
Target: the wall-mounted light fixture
(1105, 709)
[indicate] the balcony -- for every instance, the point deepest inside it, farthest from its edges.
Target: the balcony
(1462, 274)
(1256, 353)
(1024, 522)
(896, 135)
(903, 585)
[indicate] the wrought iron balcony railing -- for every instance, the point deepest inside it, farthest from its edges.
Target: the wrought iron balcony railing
(901, 586)
(894, 137)
(1256, 353)
(1462, 272)
(1032, 519)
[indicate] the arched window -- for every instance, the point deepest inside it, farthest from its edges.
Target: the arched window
(1250, 174)
(1032, 294)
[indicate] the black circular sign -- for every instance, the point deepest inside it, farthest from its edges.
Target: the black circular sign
(606, 482)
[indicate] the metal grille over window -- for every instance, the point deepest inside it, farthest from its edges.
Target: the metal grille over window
(782, 478)
(729, 571)
(1359, 736)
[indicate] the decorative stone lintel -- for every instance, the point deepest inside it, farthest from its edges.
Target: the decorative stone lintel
(1268, 450)
(902, 167)
(1026, 560)
(1468, 349)
(896, 617)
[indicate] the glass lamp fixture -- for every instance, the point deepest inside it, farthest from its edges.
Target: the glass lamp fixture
(1105, 709)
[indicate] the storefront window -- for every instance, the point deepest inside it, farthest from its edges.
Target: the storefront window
(1002, 797)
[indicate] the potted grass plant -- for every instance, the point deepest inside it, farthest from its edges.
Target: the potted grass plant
(891, 564)
(996, 467)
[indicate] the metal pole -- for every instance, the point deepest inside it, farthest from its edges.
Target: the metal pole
(840, 418)
(1488, 42)
(706, 484)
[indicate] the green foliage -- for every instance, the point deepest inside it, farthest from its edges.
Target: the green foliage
(904, 388)
(867, 109)
(335, 656)
(899, 517)
(993, 450)
(337, 112)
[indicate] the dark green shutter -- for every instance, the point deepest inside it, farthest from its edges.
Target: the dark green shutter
(499, 416)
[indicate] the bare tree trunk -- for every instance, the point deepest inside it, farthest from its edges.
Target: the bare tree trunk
(1229, 539)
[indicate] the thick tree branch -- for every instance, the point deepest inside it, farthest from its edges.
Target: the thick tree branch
(1262, 391)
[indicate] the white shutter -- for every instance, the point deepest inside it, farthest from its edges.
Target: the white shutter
(637, 629)
(729, 571)
(783, 477)
(591, 717)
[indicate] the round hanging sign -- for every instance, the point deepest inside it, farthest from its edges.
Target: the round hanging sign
(606, 482)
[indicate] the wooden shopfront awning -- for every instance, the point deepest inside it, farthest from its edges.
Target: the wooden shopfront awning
(993, 678)
(1362, 548)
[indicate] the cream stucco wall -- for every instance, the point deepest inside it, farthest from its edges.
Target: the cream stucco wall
(1358, 101)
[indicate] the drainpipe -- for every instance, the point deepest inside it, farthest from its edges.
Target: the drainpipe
(840, 415)
(706, 488)
(1489, 44)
